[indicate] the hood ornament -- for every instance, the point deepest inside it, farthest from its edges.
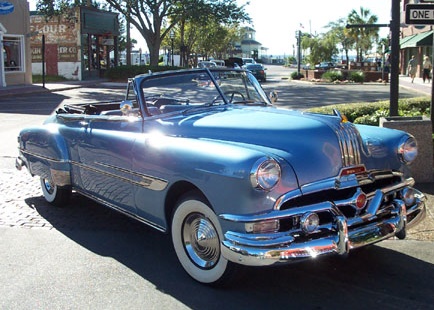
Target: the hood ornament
(343, 118)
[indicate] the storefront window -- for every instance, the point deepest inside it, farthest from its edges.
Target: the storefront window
(13, 47)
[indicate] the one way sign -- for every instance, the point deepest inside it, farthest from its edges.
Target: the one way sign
(420, 14)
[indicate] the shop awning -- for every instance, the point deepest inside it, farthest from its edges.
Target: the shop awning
(420, 39)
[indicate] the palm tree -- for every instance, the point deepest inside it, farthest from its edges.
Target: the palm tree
(339, 30)
(362, 36)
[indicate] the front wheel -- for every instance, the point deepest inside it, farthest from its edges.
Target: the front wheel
(196, 237)
(57, 196)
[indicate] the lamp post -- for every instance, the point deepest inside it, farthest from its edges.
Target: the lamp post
(140, 56)
(172, 36)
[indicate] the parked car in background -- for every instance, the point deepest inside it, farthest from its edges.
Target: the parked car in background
(325, 66)
(203, 155)
(219, 63)
(234, 62)
(206, 64)
(248, 61)
(258, 71)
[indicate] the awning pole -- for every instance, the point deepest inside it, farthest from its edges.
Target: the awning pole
(432, 89)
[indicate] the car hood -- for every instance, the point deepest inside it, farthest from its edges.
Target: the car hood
(308, 142)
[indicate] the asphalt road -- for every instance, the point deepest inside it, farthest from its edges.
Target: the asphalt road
(305, 95)
(85, 256)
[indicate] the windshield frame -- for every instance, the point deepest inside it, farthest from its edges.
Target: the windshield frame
(213, 80)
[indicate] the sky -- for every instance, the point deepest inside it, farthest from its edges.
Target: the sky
(276, 21)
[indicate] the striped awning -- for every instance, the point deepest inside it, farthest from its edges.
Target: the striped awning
(420, 39)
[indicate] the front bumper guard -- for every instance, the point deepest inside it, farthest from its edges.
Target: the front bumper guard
(284, 247)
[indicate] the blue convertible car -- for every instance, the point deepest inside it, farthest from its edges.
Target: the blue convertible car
(203, 154)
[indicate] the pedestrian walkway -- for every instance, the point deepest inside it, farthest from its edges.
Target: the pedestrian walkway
(48, 87)
(418, 85)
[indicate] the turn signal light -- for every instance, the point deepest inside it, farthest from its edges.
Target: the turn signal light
(263, 227)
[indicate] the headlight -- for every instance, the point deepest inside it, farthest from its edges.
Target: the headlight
(407, 150)
(265, 174)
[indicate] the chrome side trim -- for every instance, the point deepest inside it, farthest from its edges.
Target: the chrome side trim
(56, 160)
(146, 181)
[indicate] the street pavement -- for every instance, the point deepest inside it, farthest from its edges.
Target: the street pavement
(34, 236)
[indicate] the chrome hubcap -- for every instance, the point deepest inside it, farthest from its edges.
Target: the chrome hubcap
(49, 186)
(201, 240)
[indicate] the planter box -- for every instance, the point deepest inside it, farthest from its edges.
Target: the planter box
(421, 128)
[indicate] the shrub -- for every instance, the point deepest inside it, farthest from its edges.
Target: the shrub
(122, 73)
(357, 76)
(296, 76)
(333, 76)
(370, 113)
(37, 78)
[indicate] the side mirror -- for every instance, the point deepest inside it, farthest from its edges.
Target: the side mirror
(273, 96)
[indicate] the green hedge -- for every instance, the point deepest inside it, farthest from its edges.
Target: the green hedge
(370, 113)
(333, 76)
(356, 76)
(296, 76)
(122, 73)
(37, 78)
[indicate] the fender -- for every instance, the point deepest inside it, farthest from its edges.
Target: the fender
(44, 152)
(218, 169)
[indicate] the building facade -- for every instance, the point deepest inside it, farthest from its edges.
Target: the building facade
(80, 46)
(417, 41)
(15, 59)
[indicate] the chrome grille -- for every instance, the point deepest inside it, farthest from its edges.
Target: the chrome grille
(350, 144)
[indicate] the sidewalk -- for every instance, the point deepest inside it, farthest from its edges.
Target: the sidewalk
(418, 85)
(53, 87)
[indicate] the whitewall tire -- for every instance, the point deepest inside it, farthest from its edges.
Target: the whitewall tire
(196, 237)
(58, 196)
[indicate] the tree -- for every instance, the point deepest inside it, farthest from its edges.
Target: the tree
(322, 47)
(149, 16)
(66, 8)
(203, 19)
(154, 19)
(338, 29)
(362, 36)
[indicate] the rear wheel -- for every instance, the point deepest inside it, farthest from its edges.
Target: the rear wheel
(196, 237)
(57, 196)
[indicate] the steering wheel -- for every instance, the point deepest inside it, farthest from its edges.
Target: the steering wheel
(231, 95)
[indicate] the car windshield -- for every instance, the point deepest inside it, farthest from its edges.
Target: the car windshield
(194, 88)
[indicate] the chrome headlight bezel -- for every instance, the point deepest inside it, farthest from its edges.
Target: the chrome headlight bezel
(407, 150)
(265, 174)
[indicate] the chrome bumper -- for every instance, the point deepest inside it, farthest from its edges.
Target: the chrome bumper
(287, 247)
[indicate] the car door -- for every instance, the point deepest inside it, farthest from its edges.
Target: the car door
(105, 157)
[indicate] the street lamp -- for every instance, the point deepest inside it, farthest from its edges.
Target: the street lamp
(172, 36)
(140, 56)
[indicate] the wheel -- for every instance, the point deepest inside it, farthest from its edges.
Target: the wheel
(57, 196)
(196, 237)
